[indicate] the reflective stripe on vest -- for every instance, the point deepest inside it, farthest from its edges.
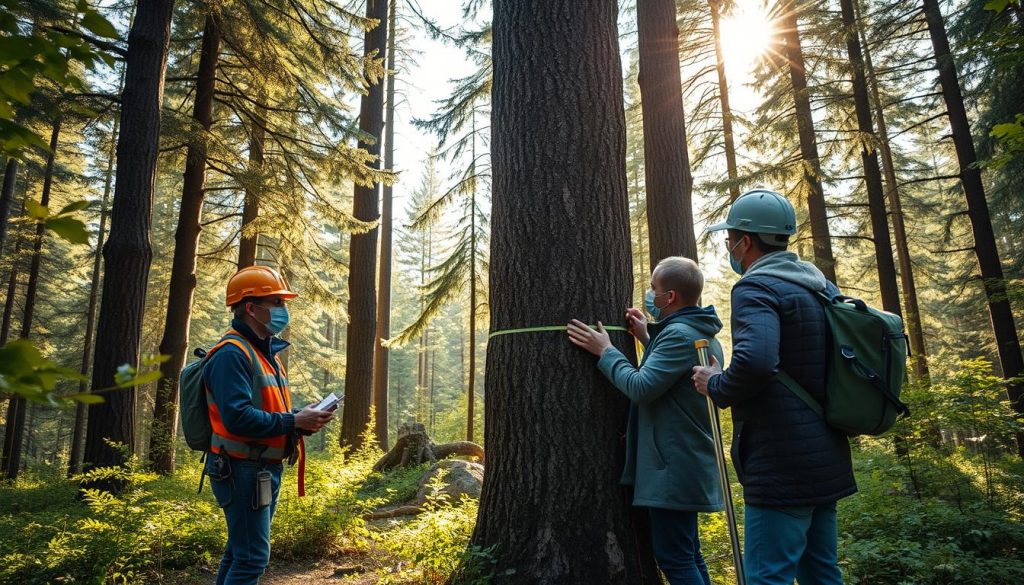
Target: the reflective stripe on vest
(269, 393)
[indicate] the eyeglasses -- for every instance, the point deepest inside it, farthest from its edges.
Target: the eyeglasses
(278, 302)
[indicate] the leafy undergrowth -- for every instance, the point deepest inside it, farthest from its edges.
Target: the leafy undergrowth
(956, 519)
(161, 530)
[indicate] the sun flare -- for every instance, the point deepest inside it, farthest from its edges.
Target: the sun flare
(746, 32)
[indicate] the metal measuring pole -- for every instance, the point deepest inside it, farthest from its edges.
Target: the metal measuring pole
(704, 357)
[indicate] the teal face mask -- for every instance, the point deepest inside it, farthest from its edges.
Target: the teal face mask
(653, 310)
(279, 318)
(733, 262)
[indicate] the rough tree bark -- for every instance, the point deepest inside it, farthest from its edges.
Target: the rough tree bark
(380, 353)
(128, 253)
(251, 208)
(560, 226)
(362, 298)
(869, 158)
(666, 157)
(7, 198)
(182, 287)
(1007, 342)
(723, 96)
(911, 310)
(78, 430)
(820, 234)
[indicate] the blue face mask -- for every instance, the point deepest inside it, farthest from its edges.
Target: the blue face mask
(279, 318)
(653, 310)
(733, 262)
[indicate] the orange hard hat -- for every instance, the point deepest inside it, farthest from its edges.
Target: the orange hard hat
(257, 281)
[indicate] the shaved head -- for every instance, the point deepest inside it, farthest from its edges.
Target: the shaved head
(681, 275)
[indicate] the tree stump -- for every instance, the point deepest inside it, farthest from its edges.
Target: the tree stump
(414, 447)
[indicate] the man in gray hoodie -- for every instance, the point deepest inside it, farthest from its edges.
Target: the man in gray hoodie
(793, 466)
(670, 456)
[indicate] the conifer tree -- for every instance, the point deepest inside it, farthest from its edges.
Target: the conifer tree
(362, 301)
(127, 253)
(1003, 326)
(560, 218)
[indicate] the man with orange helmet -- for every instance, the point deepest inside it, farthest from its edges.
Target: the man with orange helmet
(254, 426)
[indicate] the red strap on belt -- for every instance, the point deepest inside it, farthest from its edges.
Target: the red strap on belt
(302, 467)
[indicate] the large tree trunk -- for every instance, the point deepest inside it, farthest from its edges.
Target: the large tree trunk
(723, 96)
(251, 208)
(1007, 342)
(380, 353)
(667, 160)
(869, 158)
(16, 424)
(362, 298)
(820, 234)
(911, 312)
(7, 198)
(128, 253)
(78, 430)
(560, 225)
(183, 267)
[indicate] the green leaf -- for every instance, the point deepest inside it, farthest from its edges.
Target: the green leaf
(36, 210)
(85, 398)
(73, 207)
(100, 26)
(69, 228)
(140, 379)
(997, 6)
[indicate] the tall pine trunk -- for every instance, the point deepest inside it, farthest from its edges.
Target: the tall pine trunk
(362, 298)
(1007, 343)
(7, 199)
(16, 425)
(78, 430)
(811, 163)
(380, 353)
(666, 157)
(869, 158)
(723, 97)
(251, 208)
(183, 266)
(911, 310)
(128, 253)
(471, 389)
(551, 503)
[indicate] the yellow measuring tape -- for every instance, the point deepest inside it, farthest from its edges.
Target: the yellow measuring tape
(493, 334)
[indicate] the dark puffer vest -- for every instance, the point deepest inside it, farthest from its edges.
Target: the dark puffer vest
(784, 453)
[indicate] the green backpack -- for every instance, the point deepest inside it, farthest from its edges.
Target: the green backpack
(195, 413)
(867, 362)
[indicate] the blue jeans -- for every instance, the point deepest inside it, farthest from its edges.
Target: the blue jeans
(247, 553)
(677, 547)
(786, 543)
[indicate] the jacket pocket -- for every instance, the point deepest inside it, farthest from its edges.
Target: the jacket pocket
(734, 450)
(659, 458)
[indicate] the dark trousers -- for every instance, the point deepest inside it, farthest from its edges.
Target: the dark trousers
(247, 553)
(677, 547)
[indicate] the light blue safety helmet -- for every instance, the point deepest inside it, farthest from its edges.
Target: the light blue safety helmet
(765, 213)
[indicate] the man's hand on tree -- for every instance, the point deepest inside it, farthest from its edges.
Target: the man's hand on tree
(596, 341)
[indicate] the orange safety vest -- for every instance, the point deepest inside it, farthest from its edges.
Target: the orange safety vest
(270, 393)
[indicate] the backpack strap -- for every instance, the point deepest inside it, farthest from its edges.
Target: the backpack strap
(795, 387)
(242, 343)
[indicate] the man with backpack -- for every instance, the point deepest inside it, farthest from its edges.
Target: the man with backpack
(792, 464)
(254, 428)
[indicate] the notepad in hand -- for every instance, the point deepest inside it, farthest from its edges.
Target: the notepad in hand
(329, 404)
